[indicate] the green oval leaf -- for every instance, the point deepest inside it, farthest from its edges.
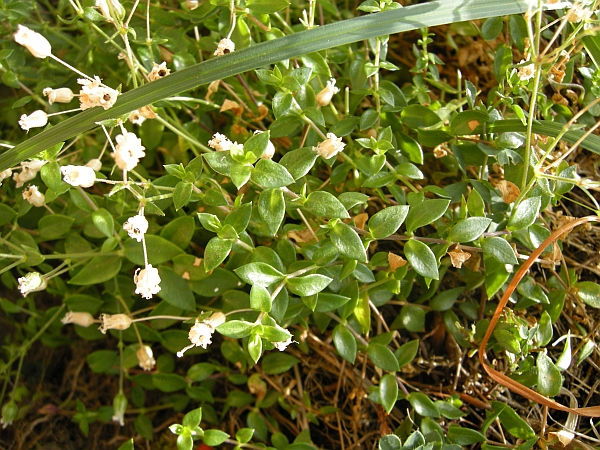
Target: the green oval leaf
(159, 250)
(269, 174)
(423, 405)
(216, 251)
(387, 221)
(500, 249)
(469, 229)
(259, 273)
(425, 213)
(348, 242)
(388, 392)
(271, 207)
(524, 215)
(421, 258)
(324, 204)
(382, 357)
(308, 285)
(344, 343)
(98, 270)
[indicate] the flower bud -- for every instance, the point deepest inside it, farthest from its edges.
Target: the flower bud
(34, 120)
(145, 357)
(94, 164)
(79, 175)
(37, 44)
(191, 4)
(114, 322)
(32, 282)
(9, 413)
(83, 319)
(34, 196)
(324, 97)
(110, 9)
(60, 95)
(119, 407)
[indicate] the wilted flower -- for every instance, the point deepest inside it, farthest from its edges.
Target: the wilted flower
(324, 97)
(330, 147)
(79, 175)
(225, 46)
(30, 170)
(60, 95)
(145, 357)
(128, 152)
(526, 72)
(94, 164)
(9, 413)
(34, 120)
(191, 4)
(114, 322)
(4, 175)
(37, 44)
(34, 196)
(201, 333)
(32, 282)
(221, 143)
(136, 227)
(94, 94)
(281, 346)
(147, 281)
(159, 71)
(83, 319)
(105, 9)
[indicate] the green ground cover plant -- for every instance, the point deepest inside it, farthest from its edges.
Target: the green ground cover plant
(299, 225)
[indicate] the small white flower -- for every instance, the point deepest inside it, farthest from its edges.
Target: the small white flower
(269, 151)
(30, 170)
(225, 46)
(94, 94)
(114, 322)
(526, 72)
(83, 319)
(159, 71)
(136, 227)
(136, 118)
(32, 282)
(201, 333)
(79, 175)
(147, 281)
(37, 44)
(60, 95)
(94, 164)
(4, 175)
(34, 196)
(34, 120)
(324, 97)
(128, 152)
(145, 357)
(281, 346)
(330, 147)
(579, 13)
(221, 143)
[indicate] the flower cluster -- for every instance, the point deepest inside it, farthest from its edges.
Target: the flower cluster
(201, 333)
(128, 151)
